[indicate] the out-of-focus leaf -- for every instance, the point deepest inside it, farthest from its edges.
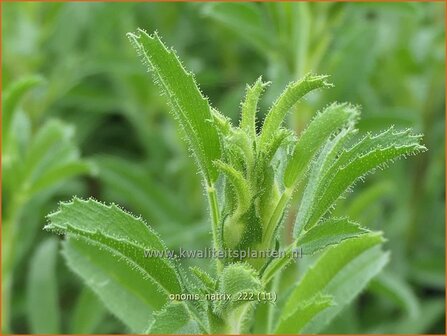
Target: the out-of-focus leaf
(246, 20)
(42, 292)
(52, 158)
(351, 73)
(87, 313)
(12, 96)
(61, 173)
(33, 217)
(432, 311)
(140, 191)
(429, 270)
(394, 288)
(400, 8)
(368, 196)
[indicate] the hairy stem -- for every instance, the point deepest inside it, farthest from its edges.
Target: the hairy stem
(214, 208)
(236, 320)
(270, 308)
(278, 264)
(276, 217)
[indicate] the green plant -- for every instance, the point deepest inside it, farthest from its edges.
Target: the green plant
(250, 175)
(34, 164)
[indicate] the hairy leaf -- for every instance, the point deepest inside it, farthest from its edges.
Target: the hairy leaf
(189, 106)
(238, 149)
(291, 95)
(342, 272)
(294, 322)
(223, 123)
(174, 319)
(111, 228)
(346, 286)
(370, 142)
(280, 138)
(317, 171)
(121, 287)
(330, 232)
(315, 135)
(206, 281)
(240, 184)
(250, 106)
(336, 181)
(235, 279)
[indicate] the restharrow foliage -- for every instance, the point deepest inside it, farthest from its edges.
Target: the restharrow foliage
(250, 178)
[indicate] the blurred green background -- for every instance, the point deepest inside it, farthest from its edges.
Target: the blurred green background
(74, 88)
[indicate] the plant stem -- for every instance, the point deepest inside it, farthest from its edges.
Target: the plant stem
(214, 208)
(236, 319)
(270, 310)
(277, 264)
(276, 217)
